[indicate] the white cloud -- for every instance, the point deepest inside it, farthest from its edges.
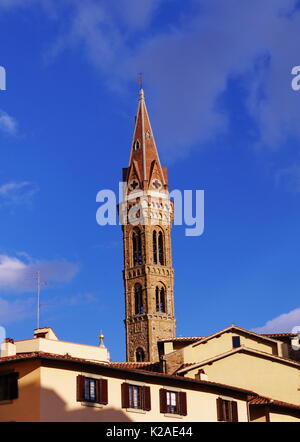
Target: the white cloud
(17, 275)
(282, 323)
(7, 123)
(16, 193)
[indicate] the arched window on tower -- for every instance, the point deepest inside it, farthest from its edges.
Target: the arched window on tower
(139, 355)
(158, 248)
(155, 247)
(137, 247)
(160, 299)
(138, 300)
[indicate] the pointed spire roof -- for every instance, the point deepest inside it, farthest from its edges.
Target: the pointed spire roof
(144, 170)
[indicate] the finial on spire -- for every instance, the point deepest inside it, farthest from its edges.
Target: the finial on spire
(140, 79)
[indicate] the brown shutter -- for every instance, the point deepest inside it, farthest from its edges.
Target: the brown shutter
(163, 400)
(220, 413)
(182, 403)
(234, 411)
(125, 395)
(80, 388)
(102, 391)
(146, 399)
(13, 385)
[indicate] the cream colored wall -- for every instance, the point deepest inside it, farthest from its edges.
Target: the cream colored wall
(268, 378)
(27, 407)
(60, 347)
(288, 416)
(168, 347)
(222, 344)
(58, 402)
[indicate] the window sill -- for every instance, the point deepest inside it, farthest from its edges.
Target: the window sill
(136, 410)
(92, 404)
(176, 416)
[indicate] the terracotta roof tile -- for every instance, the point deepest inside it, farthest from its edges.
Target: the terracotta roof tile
(279, 334)
(148, 366)
(261, 400)
(183, 339)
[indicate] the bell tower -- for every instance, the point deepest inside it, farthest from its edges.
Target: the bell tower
(147, 214)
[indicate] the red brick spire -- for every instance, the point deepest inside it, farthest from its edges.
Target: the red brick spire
(144, 171)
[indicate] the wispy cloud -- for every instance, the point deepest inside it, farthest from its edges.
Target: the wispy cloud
(17, 273)
(200, 54)
(15, 193)
(12, 311)
(282, 323)
(189, 61)
(7, 123)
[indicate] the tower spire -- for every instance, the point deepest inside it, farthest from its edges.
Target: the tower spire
(144, 163)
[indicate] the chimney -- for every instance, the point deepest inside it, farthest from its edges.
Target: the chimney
(46, 333)
(8, 348)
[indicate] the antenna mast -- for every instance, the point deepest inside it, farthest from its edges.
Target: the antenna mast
(37, 277)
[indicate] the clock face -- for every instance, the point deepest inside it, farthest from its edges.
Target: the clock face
(133, 185)
(156, 184)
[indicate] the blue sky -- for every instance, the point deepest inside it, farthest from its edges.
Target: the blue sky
(217, 80)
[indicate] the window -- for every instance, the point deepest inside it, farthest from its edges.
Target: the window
(138, 299)
(227, 410)
(9, 386)
(137, 247)
(136, 145)
(173, 402)
(160, 299)
(236, 341)
(140, 355)
(92, 390)
(154, 247)
(158, 248)
(136, 396)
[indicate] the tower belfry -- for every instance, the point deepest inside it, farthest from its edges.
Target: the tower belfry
(147, 215)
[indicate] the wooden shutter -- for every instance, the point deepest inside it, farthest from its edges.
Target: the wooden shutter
(13, 385)
(125, 395)
(80, 388)
(163, 400)
(220, 413)
(234, 411)
(146, 399)
(182, 403)
(102, 397)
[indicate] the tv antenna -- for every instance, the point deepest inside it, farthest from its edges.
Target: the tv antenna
(39, 283)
